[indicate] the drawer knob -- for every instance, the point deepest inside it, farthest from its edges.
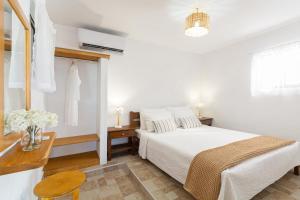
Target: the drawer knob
(123, 134)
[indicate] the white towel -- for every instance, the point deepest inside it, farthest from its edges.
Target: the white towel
(72, 96)
(43, 77)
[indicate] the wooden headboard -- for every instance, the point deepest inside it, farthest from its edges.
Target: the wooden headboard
(134, 119)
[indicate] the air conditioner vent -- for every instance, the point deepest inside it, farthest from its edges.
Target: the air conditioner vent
(97, 47)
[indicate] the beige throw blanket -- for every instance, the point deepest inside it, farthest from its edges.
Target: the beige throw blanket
(204, 176)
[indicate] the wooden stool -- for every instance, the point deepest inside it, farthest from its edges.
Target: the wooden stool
(60, 184)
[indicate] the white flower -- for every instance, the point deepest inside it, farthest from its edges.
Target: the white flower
(20, 120)
(17, 121)
(52, 119)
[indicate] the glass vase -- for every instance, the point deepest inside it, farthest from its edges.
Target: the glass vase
(37, 139)
(27, 141)
(31, 138)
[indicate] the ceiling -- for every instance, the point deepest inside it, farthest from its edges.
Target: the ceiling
(161, 22)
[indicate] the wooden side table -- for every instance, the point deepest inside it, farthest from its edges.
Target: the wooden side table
(206, 120)
(124, 132)
(60, 184)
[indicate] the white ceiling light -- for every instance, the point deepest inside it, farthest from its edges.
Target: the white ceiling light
(196, 24)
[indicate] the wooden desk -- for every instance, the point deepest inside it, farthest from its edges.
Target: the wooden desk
(124, 132)
(8, 140)
(16, 160)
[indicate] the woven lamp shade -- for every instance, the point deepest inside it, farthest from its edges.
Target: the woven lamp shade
(196, 24)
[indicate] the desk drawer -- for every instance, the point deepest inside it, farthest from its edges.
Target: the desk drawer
(207, 122)
(121, 134)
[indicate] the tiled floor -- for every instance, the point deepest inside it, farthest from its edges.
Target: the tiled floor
(114, 185)
(111, 183)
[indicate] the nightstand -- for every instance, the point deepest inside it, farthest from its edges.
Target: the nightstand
(206, 120)
(124, 132)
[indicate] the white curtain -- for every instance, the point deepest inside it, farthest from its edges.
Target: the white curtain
(276, 71)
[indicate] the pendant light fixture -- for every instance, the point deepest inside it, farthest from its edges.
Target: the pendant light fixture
(196, 24)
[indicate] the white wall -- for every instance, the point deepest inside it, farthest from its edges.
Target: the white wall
(144, 76)
(20, 185)
(152, 76)
(225, 89)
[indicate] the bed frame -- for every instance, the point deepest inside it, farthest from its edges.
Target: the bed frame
(136, 122)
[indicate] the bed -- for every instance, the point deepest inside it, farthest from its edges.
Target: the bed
(173, 153)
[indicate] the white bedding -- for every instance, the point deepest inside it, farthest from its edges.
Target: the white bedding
(173, 153)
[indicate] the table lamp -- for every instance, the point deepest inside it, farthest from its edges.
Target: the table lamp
(118, 113)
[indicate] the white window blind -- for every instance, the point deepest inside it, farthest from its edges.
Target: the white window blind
(276, 71)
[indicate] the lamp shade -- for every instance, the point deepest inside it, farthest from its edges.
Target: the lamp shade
(119, 109)
(196, 24)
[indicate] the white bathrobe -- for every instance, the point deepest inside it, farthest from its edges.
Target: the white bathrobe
(72, 96)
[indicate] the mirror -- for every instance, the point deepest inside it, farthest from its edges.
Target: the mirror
(16, 61)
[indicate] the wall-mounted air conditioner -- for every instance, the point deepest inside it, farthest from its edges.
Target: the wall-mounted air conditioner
(100, 41)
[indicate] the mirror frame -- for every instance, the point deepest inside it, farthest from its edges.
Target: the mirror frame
(15, 6)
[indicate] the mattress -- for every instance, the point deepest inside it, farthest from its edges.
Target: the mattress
(173, 153)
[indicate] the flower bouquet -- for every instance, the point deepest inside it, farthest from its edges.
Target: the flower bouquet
(30, 123)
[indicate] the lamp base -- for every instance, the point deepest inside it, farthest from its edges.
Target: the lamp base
(118, 126)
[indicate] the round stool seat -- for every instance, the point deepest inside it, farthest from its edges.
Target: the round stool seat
(59, 184)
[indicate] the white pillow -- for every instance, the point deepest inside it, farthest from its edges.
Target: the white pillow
(143, 112)
(165, 125)
(150, 117)
(190, 122)
(147, 116)
(180, 112)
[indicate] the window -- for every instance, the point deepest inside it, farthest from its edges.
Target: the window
(276, 71)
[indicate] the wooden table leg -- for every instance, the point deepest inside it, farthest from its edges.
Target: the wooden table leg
(132, 145)
(296, 170)
(108, 148)
(76, 194)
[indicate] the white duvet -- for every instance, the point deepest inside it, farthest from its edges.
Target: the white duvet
(173, 153)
